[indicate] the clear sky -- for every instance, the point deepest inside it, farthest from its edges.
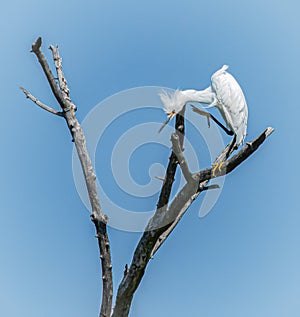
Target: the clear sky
(243, 258)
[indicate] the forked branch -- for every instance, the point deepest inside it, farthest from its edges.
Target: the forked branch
(142, 254)
(40, 104)
(167, 215)
(62, 95)
(165, 220)
(177, 209)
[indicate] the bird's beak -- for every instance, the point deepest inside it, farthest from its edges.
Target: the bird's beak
(170, 116)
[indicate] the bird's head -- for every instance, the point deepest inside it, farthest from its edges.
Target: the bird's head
(173, 103)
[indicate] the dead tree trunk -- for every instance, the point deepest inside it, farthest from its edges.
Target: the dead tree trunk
(62, 95)
(167, 215)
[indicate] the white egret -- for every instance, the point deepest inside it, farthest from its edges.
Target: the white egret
(224, 93)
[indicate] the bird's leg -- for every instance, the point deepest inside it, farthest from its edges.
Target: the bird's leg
(218, 166)
(210, 116)
(202, 113)
(232, 145)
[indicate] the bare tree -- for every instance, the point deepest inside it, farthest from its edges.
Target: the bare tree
(168, 213)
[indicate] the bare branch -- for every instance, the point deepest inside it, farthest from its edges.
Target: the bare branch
(180, 157)
(175, 218)
(236, 159)
(155, 236)
(176, 211)
(36, 49)
(214, 186)
(98, 218)
(61, 78)
(172, 165)
(165, 219)
(106, 265)
(40, 104)
(142, 252)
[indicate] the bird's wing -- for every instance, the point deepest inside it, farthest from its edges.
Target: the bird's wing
(231, 102)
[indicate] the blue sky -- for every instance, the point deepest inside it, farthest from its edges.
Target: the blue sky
(242, 259)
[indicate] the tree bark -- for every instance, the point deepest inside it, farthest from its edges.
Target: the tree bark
(165, 220)
(167, 215)
(62, 95)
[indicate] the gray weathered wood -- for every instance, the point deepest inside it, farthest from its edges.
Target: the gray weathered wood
(167, 215)
(164, 221)
(62, 95)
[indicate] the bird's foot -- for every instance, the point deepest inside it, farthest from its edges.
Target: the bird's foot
(202, 113)
(216, 166)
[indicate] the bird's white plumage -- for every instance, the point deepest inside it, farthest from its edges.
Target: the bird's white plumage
(173, 102)
(224, 93)
(231, 102)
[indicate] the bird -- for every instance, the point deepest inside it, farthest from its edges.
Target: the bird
(224, 93)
